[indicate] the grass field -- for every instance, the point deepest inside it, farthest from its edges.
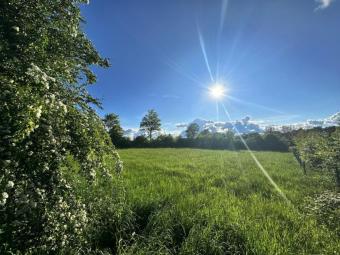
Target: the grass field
(189, 201)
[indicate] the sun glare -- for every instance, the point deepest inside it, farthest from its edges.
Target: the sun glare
(217, 91)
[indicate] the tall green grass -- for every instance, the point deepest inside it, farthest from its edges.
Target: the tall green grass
(188, 201)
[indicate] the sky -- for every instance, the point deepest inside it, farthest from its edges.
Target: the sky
(279, 60)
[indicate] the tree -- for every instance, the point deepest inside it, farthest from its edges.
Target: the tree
(140, 142)
(46, 121)
(112, 123)
(329, 150)
(164, 141)
(192, 130)
(275, 142)
(150, 123)
(254, 141)
(321, 150)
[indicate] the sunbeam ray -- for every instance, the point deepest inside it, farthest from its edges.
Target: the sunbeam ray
(204, 52)
(265, 173)
(217, 112)
(223, 14)
(224, 6)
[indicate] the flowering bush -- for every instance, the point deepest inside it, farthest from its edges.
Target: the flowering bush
(326, 206)
(45, 117)
(321, 150)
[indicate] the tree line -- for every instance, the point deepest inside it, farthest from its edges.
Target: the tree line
(272, 141)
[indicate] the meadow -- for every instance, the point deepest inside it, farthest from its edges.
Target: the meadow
(191, 201)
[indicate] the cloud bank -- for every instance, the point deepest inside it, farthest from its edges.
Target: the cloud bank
(244, 126)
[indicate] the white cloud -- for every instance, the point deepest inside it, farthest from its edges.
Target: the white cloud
(246, 125)
(323, 4)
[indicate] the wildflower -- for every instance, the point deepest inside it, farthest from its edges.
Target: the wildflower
(10, 184)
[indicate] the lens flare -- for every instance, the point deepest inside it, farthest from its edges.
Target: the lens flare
(263, 170)
(202, 44)
(217, 91)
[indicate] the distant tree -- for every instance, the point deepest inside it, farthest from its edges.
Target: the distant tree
(150, 123)
(254, 141)
(140, 141)
(110, 120)
(165, 141)
(204, 133)
(192, 130)
(275, 142)
(112, 123)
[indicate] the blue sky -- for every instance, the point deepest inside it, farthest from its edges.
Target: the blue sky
(280, 59)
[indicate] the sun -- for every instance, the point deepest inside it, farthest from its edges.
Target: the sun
(217, 91)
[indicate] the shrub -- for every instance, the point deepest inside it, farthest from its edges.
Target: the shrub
(45, 117)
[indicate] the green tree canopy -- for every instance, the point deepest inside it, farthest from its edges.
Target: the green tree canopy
(46, 118)
(192, 130)
(112, 123)
(321, 150)
(150, 123)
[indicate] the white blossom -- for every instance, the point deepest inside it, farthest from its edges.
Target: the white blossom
(119, 166)
(10, 184)
(4, 195)
(39, 111)
(93, 173)
(15, 28)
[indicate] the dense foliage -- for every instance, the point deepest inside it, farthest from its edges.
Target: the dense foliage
(46, 122)
(320, 150)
